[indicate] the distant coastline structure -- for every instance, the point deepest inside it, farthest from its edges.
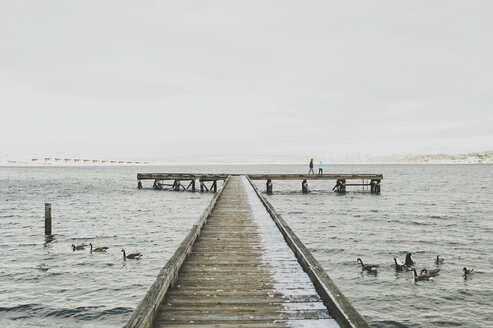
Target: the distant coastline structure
(69, 161)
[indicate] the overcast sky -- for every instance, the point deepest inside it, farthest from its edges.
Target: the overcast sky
(154, 79)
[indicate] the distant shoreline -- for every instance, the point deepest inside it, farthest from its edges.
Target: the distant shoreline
(20, 164)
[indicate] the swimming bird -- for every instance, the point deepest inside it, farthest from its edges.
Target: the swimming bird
(409, 259)
(78, 247)
(439, 260)
(399, 266)
(98, 249)
(132, 256)
(43, 267)
(421, 277)
(368, 267)
(431, 273)
(466, 271)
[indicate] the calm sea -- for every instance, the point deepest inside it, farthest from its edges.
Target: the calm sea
(428, 210)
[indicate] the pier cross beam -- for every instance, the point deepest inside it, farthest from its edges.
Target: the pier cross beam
(343, 181)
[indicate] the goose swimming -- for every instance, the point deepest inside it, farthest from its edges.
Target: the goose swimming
(132, 256)
(98, 249)
(439, 260)
(368, 267)
(78, 247)
(431, 273)
(466, 271)
(399, 266)
(421, 277)
(409, 259)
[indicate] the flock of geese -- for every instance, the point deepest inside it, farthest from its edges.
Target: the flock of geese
(131, 256)
(424, 274)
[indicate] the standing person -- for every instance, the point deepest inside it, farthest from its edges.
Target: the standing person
(320, 168)
(311, 167)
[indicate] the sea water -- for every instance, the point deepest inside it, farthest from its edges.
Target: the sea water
(428, 210)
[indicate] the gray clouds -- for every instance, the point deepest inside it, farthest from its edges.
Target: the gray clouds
(123, 78)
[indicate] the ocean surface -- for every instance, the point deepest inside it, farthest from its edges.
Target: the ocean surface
(428, 210)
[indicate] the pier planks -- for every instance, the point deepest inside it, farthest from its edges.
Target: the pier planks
(225, 274)
(226, 282)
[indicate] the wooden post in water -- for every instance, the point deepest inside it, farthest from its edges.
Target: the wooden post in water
(375, 186)
(269, 187)
(304, 187)
(139, 184)
(193, 185)
(341, 185)
(215, 185)
(47, 219)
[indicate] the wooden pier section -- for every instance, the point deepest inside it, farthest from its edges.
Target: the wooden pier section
(187, 181)
(242, 266)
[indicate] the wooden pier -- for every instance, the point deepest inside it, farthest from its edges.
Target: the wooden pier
(242, 266)
(208, 182)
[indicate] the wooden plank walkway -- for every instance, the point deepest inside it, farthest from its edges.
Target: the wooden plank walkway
(227, 280)
(242, 266)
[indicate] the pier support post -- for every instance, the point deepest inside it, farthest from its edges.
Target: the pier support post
(202, 187)
(214, 185)
(193, 185)
(304, 187)
(375, 186)
(340, 186)
(176, 185)
(139, 185)
(269, 187)
(47, 219)
(157, 185)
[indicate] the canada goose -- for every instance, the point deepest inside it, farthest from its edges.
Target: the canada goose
(399, 266)
(133, 256)
(431, 273)
(466, 271)
(368, 267)
(421, 277)
(98, 249)
(43, 267)
(409, 259)
(78, 247)
(439, 260)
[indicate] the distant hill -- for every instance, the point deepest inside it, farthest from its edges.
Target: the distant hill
(469, 158)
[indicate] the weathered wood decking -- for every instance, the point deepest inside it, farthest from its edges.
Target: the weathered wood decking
(245, 268)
